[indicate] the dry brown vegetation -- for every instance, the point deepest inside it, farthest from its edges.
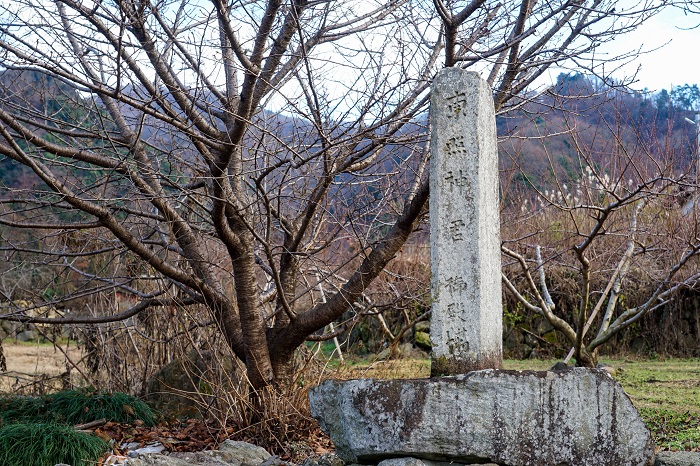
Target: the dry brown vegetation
(35, 368)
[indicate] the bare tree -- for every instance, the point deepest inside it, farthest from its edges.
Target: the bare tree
(227, 153)
(618, 222)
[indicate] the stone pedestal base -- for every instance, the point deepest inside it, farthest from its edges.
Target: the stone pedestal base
(575, 417)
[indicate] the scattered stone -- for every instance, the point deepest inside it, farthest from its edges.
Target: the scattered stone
(408, 351)
(327, 459)
(559, 366)
(274, 461)
(27, 335)
(574, 417)
(422, 326)
(383, 354)
(544, 327)
(677, 458)
(523, 351)
(230, 453)
(246, 453)
(531, 340)
(115, 460)
(168, 460)
(609, 369)
(409, 461)
(155, 447)
(422, 340)
(638, 345)
(174, 388)
(8, 327)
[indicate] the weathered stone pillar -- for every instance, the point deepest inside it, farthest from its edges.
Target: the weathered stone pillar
(466, 320)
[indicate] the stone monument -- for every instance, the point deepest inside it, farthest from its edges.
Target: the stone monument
(479, 414)
(465, 250)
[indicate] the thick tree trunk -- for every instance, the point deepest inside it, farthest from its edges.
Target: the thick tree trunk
(283, 368)
(257, 356)
(585, 358)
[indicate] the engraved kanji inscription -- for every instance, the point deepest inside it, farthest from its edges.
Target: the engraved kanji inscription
(456, 179)
(454, 147)
(455, 284)
(454, 308)
(456, 105)
(455, 230)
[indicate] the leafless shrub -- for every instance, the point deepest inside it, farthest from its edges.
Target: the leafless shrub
(627, 219)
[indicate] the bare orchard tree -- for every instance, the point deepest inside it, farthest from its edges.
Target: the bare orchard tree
(611, 244)
(228, 153)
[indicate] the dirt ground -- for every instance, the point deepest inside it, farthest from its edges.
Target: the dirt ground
(27, 362)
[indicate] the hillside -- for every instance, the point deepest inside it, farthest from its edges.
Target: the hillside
(547, 141)
(578, 123)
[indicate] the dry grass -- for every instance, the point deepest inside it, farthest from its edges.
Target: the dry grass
(32, 364)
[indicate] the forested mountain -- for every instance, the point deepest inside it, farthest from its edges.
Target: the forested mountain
(581, 122)
(540, 144)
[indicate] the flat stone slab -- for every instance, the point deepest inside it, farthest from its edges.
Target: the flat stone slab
(678, 458)
(574, 417)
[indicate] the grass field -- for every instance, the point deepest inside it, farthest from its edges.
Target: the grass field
(28, 363)
(666, 391)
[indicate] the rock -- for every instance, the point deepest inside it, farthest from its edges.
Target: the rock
(575, 417)
(677, 458)
(206, 458)
(245, 453)
(422, 340)
(422, 326)
(230, 453)
(155, 447)
(411, 462)
(408, 351)
(609, 369)
(383, 355)
(176, 459)
(8, 326)
(639, 345)
(275, 461)
(544, 327)
(327, 459)
(27, 335)
(559, 366)
(531, 340)
(513, 338)
(174, 388)
(523, 351)
(114, 460)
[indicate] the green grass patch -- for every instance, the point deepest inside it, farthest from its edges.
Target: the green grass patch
(75, 407)
(81, 406)
(21, 409)
(667, 394)
(47, 445)
(673, 430)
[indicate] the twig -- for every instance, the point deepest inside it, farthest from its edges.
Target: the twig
(91, 424)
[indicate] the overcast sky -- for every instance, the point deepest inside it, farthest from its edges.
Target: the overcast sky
(674, 64)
